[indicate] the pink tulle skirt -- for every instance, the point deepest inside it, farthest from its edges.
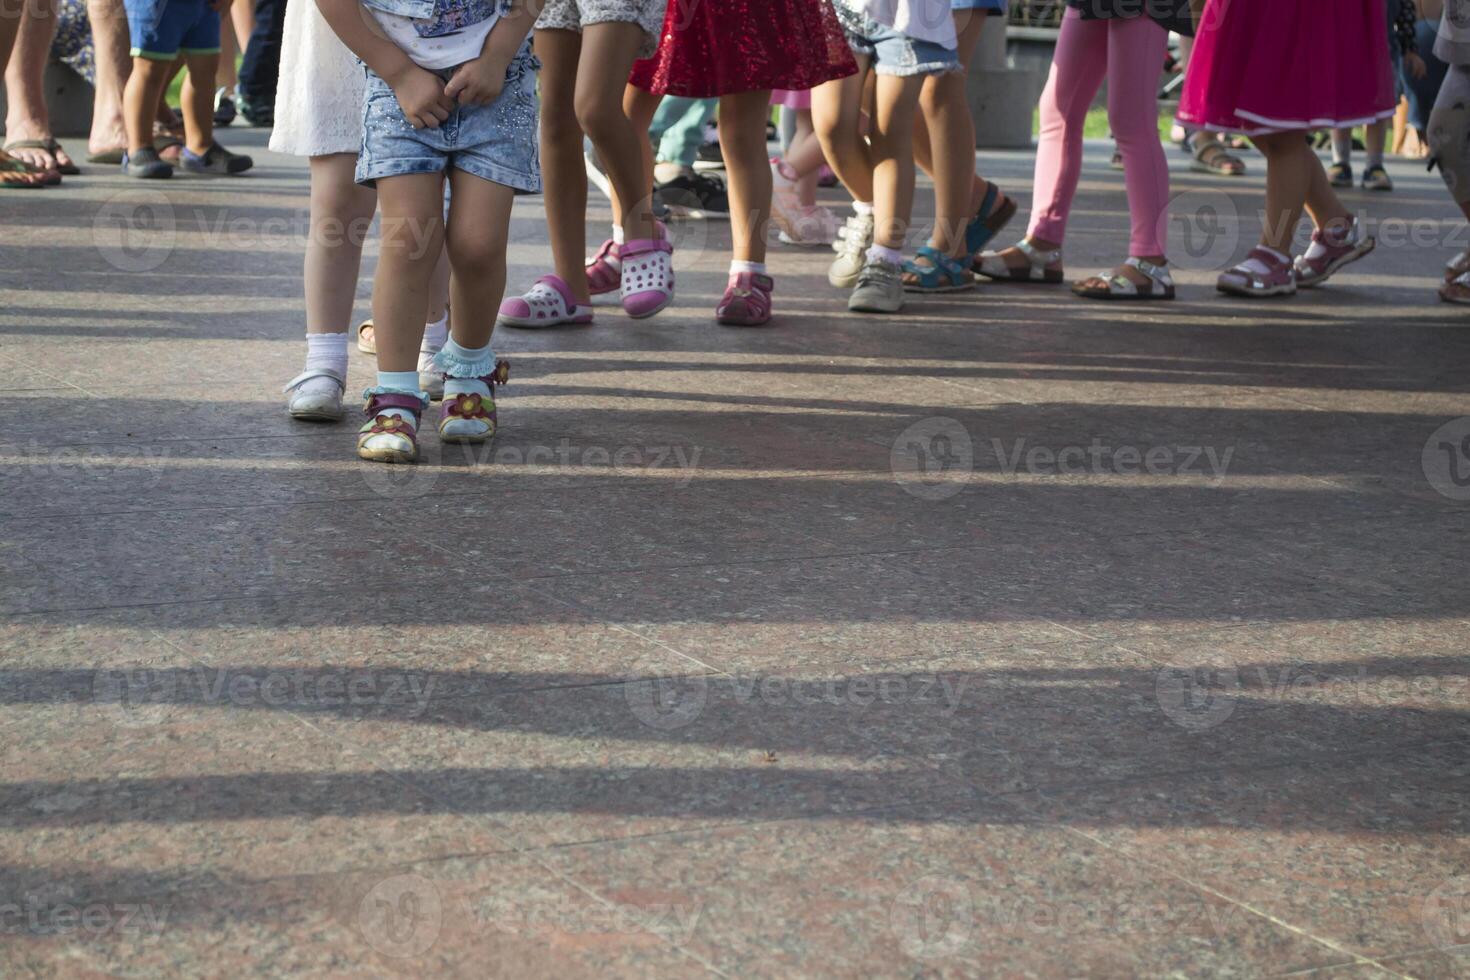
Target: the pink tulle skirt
(801, 99)
(1273, 66)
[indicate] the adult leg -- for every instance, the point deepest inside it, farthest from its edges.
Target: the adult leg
(743, 142)
(562, 169)
(10, 14)
(260, 69)
(110, 46)
(26, 117)
(608, 53)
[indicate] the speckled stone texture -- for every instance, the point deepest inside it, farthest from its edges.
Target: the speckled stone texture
(1008, 636)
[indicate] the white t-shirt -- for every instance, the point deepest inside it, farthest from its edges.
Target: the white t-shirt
(928, 20)
(455, 34)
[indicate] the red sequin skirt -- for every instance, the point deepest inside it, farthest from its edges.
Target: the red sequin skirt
(718, 47)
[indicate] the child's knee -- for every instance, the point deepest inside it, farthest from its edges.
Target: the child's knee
(599, 113)
(476, 254)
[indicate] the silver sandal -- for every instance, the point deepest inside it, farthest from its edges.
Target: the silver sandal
(316, 406)
(992, 266)
(1160, 284)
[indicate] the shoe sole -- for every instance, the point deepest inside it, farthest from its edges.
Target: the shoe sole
(466, 440)
(1333, 267)
(309, 415)
(861, 307)
(1288, 290)
(387, 456)
(705, 166)
(920, 290)
(845, 282)
(657, 309)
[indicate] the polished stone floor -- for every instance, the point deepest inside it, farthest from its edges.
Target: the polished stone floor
(1012, 635)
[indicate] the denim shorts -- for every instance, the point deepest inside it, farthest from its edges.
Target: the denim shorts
(496, 142)
(893, 53)
(991, 7)
(159, 29)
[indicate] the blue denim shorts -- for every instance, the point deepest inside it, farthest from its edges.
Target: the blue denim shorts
(496, 142)
(893, 53)
(160, 29)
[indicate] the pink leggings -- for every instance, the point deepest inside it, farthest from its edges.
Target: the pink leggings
(1130, 53)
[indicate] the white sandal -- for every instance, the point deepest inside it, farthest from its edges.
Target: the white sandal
(1160, 284)
(317, 404)
(992, 266)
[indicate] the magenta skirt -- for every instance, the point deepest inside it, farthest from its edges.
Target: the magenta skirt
(800, 99)
(1275, 66)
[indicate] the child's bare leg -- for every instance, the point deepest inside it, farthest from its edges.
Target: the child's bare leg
(197, 98)
(607, 56)
(804, 156)
(743, 143)
(561, 157)
(412, 237)
(227, 77)
(479, 217)
(341, 211)
(836, 108)
(141, 96)
(944, 143)
(893, 159)
(639, 106)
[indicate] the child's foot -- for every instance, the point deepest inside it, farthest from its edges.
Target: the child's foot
(1340, 175)
(851, 246)
(648, 276)
(216, 160)
(1329, 252)
(316, 395)
(224, 106)
(879, 288)
(431, 379)
(1022, 262)
(1376, 178)
(785, 202)
(468, 412)
(146, 164)
(1265, 272)
(391, 432)
(747, 300)
(549, 302)
(605, 269)
(813, 227)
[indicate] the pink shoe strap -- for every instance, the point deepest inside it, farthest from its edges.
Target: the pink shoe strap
(376, 403)
(644, 246)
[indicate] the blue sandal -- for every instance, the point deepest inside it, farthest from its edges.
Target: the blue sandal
(989, 222)
(942, 275)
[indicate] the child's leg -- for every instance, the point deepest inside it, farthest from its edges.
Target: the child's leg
(226, 76)
(897, 102)
(836, 111)
(1342, 147)
(341, 211)
(141, 95)
(412, 237)
(608, 51)
(1136, 47)
(1375, 138)
(562, 169)
(1076, 73)
(639, 106)
(1288, 178)
(944, 143)
(197, 98)
(743, 142)
(804, 157)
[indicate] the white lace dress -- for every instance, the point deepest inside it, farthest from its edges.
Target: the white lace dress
(319, 96)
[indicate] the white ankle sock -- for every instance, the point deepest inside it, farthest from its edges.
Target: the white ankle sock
(436, 332)
(738, 266)
(882, 253)
(324, 351)
(862, 208)
(617, 232)
(1260, 268)
(463, 386)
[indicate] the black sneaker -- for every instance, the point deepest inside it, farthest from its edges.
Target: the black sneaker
(260, 116)
(695, 196)
(224, 107)
(217, 161)
(709, 156)
(146, 164)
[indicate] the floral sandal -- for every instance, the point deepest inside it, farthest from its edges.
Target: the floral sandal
(549, 302)
(1116, 286)
(1212, 157)
(1040, 266)
(938, 274)
(1329, 252)
(469, 417)
(1263, 273)
(390, 438)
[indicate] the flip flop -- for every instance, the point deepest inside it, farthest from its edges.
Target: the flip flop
(113, 156)
(52, 147)
(10, 165)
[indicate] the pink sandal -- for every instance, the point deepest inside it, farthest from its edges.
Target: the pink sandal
(747, 300)
(605, 269)
(648, 276)
(548, 303)
(1329, 252)
(1263, 273)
